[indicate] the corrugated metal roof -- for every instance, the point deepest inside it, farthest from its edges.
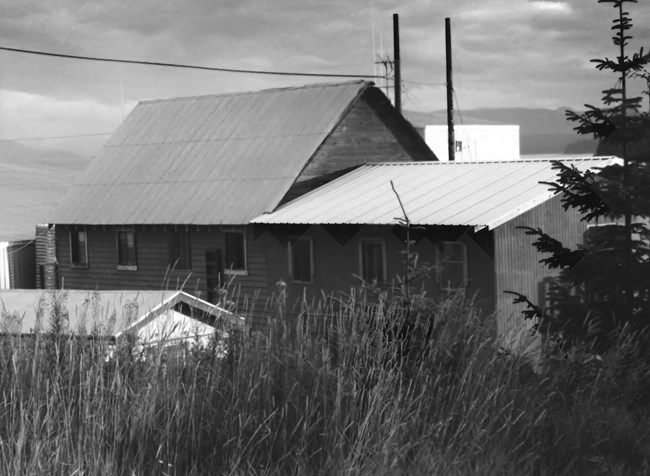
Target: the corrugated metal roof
(88, 311)
(479, 194)
(221, 159)
(105, 313)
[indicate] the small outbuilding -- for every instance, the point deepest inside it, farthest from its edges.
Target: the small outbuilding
(155, 317)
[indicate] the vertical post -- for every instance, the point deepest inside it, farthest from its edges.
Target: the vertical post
(450, 94)
(398, 67)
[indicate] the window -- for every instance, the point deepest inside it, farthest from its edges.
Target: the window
(78, 248)
(301, 260)
(179, 249)
(452, 261)
(235, 252)
(126, 257)
(373, 261)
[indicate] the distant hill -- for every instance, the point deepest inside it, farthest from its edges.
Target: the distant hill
(31, 183)
(542, 131)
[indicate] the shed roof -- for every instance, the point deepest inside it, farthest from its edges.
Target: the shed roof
(103, 313)
(220, 159)
(479, 194)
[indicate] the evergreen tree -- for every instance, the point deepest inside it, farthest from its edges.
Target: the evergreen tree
(605, 283)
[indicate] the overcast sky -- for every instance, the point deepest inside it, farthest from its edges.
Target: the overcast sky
(507, 53)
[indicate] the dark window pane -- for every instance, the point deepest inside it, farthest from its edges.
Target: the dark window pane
(78, 247)
(179, 250)
(453, 265)
(301, 260)
(372, 261)
(126, 248)
(235, 251)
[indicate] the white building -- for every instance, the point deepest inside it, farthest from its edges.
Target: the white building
(475, 143)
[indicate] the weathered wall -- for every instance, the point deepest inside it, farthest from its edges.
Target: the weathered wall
(371, 131)
(153, 269)
(517, 263)
(336, 264)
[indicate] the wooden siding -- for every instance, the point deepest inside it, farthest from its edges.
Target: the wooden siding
(153, 270)
(336, 266)
(371, 131)
(518, 269)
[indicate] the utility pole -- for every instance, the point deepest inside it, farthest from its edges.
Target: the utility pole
(450, 95)
(398, 66)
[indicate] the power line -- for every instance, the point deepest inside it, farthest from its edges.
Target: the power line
(23, 139)
(187, 66)
(422, 83)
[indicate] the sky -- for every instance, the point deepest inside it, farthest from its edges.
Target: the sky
(506, 53)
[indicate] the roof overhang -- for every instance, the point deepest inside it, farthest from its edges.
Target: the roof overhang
(479, 194)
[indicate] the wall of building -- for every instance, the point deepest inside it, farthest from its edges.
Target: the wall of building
(22, 264)
(17, 265)
(153, 267)
(475, 142)
(518, 268)
(371, 131)
(5, 280)
(337, 266)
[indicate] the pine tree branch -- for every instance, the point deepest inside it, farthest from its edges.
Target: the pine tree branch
(561, 257)
(579, 191)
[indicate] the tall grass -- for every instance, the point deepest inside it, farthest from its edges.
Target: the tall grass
(333, 389)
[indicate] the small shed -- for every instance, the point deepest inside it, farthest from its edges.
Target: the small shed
(152, 315)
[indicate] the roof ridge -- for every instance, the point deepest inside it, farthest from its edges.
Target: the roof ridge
(260, 91)
(496, 162)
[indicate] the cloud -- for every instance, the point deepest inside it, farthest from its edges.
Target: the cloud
(24, 115)
(516, 52)
(548, 6)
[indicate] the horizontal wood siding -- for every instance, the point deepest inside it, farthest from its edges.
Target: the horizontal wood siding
(371, 131)
(153, 270)
(518, 268)
(45, 257)
(336, 266)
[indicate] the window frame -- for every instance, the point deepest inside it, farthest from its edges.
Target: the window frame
(374, 241)
(440, 262)
(227, 266)
(180, 245)
(128, 266)
(290, 249)
(76, 232)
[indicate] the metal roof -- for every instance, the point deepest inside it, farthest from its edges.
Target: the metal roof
(479, 194)
(102, 312)
(105, 313)
(220, 159)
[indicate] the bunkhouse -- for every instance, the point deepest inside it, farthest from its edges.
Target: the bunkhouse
(465, 218)
(168, 202)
